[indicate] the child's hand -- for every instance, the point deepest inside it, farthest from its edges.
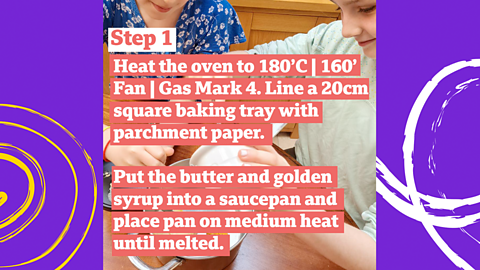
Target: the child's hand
(138, 155)
(262, 155)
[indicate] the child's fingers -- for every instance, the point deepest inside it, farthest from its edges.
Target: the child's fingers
(267, 148)
(257, 156)
(253, 164)
(158, 152)
(149, 160)
(168, 150)
(130, 161)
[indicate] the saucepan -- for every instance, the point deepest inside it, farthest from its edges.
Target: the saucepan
(194, 262)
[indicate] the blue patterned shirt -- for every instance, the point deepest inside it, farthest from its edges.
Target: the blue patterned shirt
(204, 26)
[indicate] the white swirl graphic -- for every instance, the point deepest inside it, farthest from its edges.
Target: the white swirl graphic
(407, 199)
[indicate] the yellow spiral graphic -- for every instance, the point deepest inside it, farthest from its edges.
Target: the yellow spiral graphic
(10, 220)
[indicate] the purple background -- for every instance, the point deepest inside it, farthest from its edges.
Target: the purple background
(416, 40)
(52, 63)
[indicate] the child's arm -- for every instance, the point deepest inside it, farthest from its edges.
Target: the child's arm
(322, 39)
(354, 249)
(135, 155)
(297, 44)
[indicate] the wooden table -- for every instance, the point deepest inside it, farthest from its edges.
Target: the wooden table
(259, 251)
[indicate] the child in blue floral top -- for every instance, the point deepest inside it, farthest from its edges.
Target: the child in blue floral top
(203, 26)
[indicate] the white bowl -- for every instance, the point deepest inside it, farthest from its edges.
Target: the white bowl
(217, 155)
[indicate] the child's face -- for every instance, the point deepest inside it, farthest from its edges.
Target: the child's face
(359, 22)
(161, 9)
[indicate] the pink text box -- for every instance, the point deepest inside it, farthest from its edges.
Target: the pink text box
(166, 112)
(257, 199)
(240, 88)
(149, 241)
(185, 134)
(333, 219)
(231, 65)
(170, 176)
